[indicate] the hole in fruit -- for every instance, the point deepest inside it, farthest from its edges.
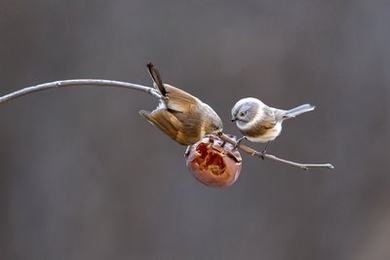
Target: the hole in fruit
(215, 163)
(202, 150)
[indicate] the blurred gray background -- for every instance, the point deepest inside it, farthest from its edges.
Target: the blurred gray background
(83, 176)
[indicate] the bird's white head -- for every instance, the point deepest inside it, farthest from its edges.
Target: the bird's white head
(246, 112)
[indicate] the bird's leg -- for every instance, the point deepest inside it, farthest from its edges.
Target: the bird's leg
(264, 150)
(266, 146)
(239, 140)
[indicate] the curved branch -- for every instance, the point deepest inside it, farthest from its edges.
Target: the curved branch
(253, 152)
(77, 82)
(153, 92)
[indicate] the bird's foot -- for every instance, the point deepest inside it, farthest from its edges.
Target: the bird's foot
(262, 154)
(239, 140)
(259, 154)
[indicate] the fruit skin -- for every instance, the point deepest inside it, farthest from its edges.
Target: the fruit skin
(214, 162)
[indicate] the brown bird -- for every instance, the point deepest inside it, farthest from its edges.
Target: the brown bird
(180, 115)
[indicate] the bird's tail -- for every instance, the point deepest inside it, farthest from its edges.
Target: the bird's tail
(157, 82)
(298, 110)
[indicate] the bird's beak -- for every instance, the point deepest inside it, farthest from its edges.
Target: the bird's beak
(234, 119)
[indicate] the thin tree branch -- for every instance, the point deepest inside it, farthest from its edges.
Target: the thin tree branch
(153, 92)
(253, 152)
(77, 82)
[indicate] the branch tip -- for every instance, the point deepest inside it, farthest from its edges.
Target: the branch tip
(254, 153)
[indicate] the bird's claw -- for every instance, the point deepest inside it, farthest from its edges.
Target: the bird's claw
(239, 140)
(259, 154)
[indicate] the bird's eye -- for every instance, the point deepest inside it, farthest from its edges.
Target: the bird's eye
(242, 114)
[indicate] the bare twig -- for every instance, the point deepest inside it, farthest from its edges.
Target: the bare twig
(253, 152)
(153, 92)
(77, 82)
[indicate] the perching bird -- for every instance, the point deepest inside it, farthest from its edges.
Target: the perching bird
(261, 123)
(181, 116)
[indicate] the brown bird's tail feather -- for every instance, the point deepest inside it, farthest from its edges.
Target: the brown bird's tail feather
(157, 82)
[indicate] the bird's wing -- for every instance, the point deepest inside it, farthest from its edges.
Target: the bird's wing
(164, 120)
(180, 101)
(269, 119)
(170, 123)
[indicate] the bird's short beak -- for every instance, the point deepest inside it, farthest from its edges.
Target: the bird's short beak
(234, 119)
